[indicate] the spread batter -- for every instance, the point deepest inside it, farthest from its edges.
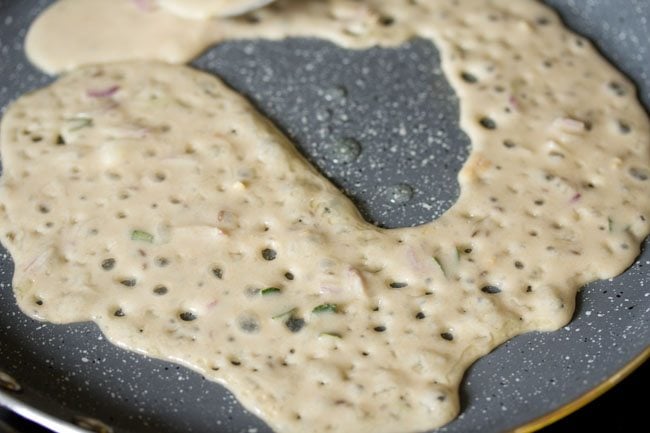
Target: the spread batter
(158, 203)
(202, 9)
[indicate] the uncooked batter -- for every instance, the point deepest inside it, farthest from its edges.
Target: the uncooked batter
(156, 202)
(203, 9)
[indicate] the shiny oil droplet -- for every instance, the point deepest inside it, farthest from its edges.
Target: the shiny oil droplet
(344, 151)
(399, 194)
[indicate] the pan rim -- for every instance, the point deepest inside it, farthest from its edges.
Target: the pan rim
(37, 416)
(586, 398)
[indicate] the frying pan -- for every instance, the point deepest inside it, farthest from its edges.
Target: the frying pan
(397, 107)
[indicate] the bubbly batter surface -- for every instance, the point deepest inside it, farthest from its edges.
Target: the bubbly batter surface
(156, 202)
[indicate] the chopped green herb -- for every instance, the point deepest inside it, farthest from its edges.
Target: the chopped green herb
(291, 321)
(330, 335)
(80, 122)
(397, 285)
(458, 253)
(326, 308)
(270, 291)
(442, 268)
(285, 314)
(139, 235)
(610, 224)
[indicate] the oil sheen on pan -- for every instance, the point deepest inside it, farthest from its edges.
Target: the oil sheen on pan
(190, 229)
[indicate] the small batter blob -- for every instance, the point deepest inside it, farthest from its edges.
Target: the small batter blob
(203, 9)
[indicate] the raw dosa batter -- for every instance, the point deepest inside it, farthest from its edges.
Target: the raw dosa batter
(202, 9)
(153, 200)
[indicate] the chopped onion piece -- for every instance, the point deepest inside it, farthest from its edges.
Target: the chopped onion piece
(570, 125)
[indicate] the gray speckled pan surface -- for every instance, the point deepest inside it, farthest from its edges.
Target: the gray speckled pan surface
(396, 105)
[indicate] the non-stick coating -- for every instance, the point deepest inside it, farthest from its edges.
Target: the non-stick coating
(398, 106)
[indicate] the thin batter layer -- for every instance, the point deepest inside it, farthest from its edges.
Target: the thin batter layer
(185, 225)
(203, 9)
